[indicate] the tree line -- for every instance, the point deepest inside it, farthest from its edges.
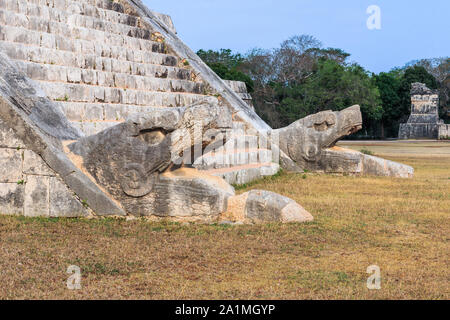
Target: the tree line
(301, 77)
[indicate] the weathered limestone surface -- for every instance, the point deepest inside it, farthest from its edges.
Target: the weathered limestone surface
(242, 110)
(129, 160)
(28, 186)
(239, 175)
(47, 182)
(186, 194)
(310, 143)
(424, 120)
(246, 156)
(305, 140)
(63, 203)
(346, 161)
(240, 88)
(134, 162)
(109, 53)
(30, 122)
(34, 165)
(11, 199)
(100, 106)
(97, 58)
(37, 195)
(167, 20)
(103, 61)
(259, 206)
(8, 138)
(11, 169)
(444, 132)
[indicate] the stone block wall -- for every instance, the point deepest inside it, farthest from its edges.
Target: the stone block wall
(28, 186)
(104, 61)
(424, 119)
(97, 59)
(444, 132)
(418, 131)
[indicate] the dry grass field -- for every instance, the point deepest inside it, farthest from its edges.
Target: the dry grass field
(400, 225)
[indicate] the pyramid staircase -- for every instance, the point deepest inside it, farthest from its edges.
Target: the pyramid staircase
(102, 64)
(242, 159)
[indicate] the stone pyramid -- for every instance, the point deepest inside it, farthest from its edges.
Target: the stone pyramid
(75, 75)
(104, 60)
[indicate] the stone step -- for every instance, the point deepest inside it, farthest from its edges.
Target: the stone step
(247, 173)
(49, 30)
(84, 48)
(92, 118)
(73, 17)
(99, 112)
(71, 92)
(91, 128)
(50, 72)
(45, 8)
(239, 125)
(104, 10)
(240, 140)
(108, 5)
(102, 4)
(241, 136)
(236, 141)
(152, 65)
(227, 158)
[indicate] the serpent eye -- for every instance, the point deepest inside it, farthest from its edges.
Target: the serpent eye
(325, 121)
(152, 137)
(321, 126)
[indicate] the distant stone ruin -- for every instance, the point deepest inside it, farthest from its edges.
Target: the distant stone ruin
(424, 122)
(104, 111)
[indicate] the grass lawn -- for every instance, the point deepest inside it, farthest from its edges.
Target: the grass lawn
(400, 225)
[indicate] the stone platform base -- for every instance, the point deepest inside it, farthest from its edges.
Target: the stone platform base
(444, 132)
(347, 161)
(418, 131)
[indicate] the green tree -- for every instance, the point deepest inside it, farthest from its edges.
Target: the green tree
(338, 55)
(223, 56)
(394, 88)
(300, 78)
(389, 87)
(226, 65)
(331, 87)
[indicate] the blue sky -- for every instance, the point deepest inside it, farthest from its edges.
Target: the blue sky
(410, 29)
